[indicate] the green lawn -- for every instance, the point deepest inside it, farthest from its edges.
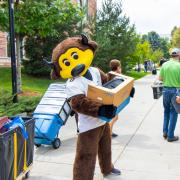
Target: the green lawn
(29, 83)
(39, 85)
(136, 75)
(33, 89)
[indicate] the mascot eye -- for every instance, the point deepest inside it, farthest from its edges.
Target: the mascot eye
(66, 62)
(74, 55)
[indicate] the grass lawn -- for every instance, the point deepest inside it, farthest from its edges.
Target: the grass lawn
(137, 75)
(39, 85)
(33, 89)
(29, 83)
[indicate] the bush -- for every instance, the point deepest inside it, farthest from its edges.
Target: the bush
(36, 49)
(25, 104)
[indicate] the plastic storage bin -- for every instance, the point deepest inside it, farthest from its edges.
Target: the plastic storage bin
(50, 115)
(16, 153)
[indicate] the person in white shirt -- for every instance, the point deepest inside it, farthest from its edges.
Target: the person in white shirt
(72, 59)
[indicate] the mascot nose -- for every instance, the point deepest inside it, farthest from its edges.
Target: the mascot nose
(77, 70)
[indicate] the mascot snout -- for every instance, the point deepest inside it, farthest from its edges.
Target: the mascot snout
(77, 70)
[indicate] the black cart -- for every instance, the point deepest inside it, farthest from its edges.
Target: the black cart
(16, 152)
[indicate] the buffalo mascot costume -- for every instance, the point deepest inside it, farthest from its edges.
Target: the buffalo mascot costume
(71, 59)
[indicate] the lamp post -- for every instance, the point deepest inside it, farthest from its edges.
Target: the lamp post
(13, 55)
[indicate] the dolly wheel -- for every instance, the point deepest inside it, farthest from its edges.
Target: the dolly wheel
(38, 145)
(56, 143)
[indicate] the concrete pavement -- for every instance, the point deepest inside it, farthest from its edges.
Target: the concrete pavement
(139, 151)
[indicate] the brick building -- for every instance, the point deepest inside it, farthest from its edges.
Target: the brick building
(3, 45)
(4, 60)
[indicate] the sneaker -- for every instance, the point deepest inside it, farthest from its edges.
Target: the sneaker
(116, 172)
(114, 135)
(165, 135)
(175, 138)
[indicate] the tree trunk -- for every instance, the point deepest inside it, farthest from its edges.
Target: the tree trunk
(18, 54)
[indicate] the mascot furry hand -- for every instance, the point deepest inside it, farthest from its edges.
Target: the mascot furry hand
(71, 59)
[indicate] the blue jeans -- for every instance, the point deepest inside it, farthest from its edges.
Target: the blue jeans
(170, 114)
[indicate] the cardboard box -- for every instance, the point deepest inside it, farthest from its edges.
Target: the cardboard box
(112, 96)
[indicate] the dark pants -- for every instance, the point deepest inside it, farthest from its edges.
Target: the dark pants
(89, 144)
(170, 114)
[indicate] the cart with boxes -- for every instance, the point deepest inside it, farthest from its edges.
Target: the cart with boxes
(50, 115)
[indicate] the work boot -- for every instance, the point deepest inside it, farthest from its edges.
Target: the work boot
(165, 135)
(175, 138)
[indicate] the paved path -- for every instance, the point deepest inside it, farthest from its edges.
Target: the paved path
(139, 150)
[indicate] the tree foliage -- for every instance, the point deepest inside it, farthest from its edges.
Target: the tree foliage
(114, 34)
(40, 17)
(43, 23)
(157, 43)
(156, 56)
(154, 39)
(176, 38)
(143, 51)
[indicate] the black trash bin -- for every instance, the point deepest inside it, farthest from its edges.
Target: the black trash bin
(157, 90)
(16, 153)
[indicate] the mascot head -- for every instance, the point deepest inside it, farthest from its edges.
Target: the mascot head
(72, 57)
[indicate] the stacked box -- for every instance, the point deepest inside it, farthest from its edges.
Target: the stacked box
(111, 94)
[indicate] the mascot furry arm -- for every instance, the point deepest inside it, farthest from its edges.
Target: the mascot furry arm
(68, 62)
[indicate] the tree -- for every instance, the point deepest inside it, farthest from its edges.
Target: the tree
(156, 56)
(114, 34)
(154, 40)
(157, 43)
(41, 18)
(176, 38)
(172, 32)
(143, 51)
(165, 46)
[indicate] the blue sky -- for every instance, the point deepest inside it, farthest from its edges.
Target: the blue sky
(158, 15)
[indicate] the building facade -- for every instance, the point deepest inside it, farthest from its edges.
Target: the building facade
(3, 44)
(4, 60)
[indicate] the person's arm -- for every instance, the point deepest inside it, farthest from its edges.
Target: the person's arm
(160, 78)
(161, 74)
(104, 77)
(178, 99)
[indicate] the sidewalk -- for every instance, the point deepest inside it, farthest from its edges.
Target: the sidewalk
(139, 151)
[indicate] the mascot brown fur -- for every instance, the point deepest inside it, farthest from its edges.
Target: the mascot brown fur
(72, 59)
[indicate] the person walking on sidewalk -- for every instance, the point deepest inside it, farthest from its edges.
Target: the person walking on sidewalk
(115, 65)
(170, 75)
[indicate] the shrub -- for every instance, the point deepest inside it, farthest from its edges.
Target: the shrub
(25, 104)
